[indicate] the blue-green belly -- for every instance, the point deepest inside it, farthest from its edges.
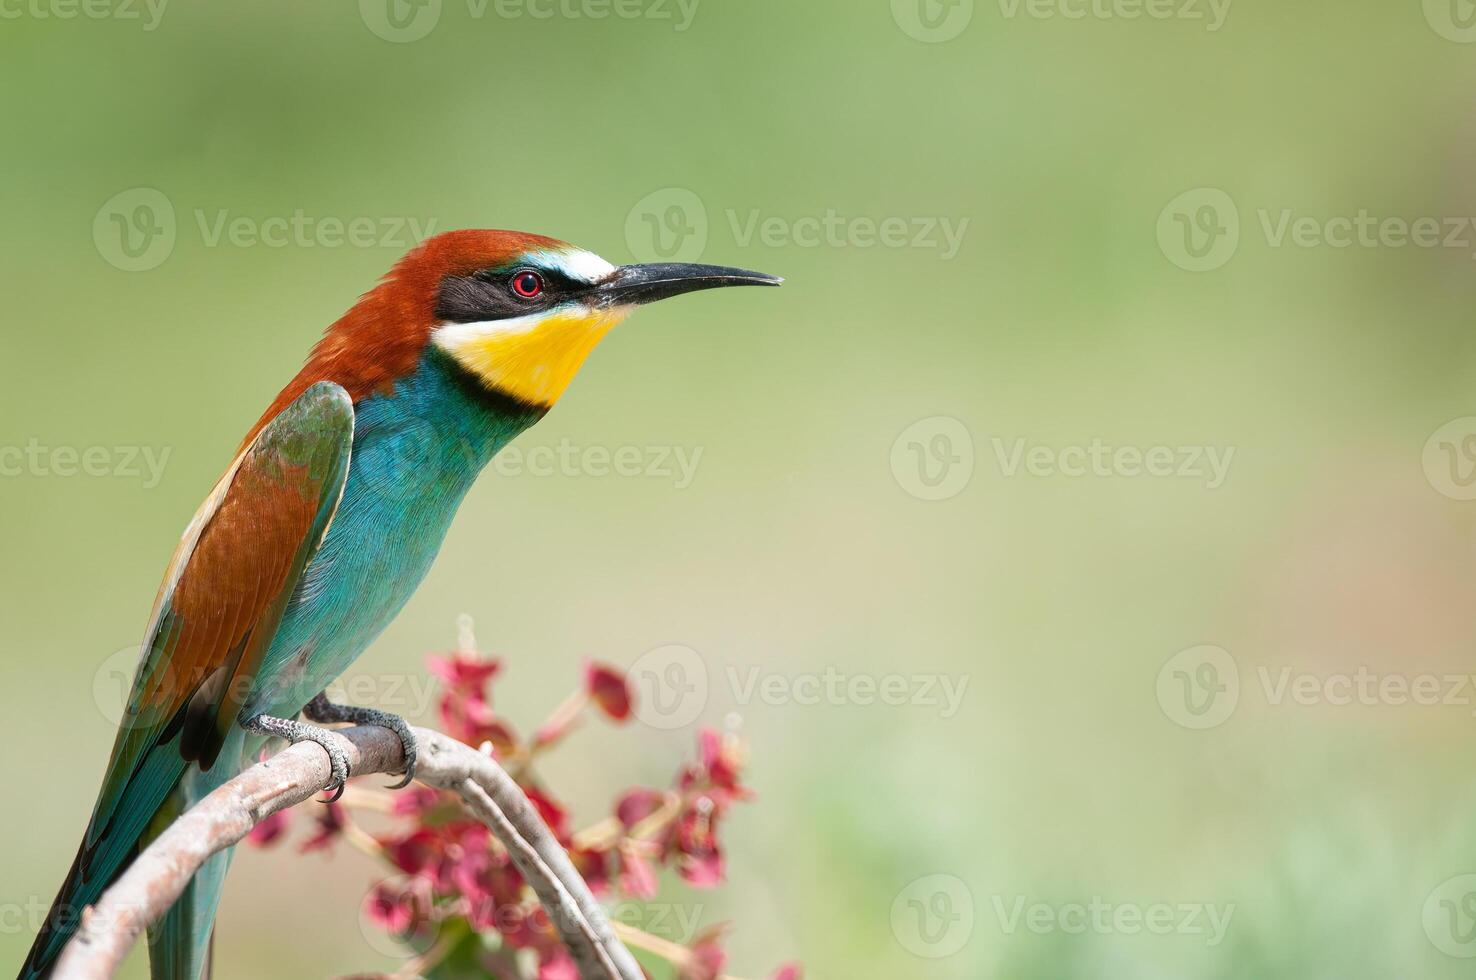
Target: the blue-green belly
(416, 454)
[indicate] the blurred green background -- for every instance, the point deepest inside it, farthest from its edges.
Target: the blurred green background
(1099, 167)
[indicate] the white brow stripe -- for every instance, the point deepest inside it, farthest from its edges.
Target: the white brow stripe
(577, 264)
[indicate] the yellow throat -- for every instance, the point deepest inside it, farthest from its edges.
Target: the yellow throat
(532, 358)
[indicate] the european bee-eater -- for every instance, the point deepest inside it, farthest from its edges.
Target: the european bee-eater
(325, 524)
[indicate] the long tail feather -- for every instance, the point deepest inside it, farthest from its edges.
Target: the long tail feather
(180, 944)
(105, 853)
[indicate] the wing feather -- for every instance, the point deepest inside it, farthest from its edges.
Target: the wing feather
(218, 609)
(230, 580)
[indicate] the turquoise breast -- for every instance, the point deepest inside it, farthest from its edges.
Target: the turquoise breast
(417, 451)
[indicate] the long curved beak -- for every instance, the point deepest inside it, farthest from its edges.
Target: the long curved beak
(635, 285)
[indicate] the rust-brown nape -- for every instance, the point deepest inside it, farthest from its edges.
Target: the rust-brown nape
(381, 339)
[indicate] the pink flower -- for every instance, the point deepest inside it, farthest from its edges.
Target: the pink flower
(330, 821)
(720, 762)
(415, 801)
(553, 813)
(559, 966)
(637, 877)
(265, 833)
(701, 862)
(494, 900)
(398, 908)
(453, 869)
(465, 673)
(472, 720)
(607, 687)
(555, 729)
(414, 853)
(594, 867)
(467, 860)
(638, 804)
(702, 870)
(707, 959)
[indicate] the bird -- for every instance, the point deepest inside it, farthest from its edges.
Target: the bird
(323, 526)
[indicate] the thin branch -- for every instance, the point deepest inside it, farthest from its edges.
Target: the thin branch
(160, 874)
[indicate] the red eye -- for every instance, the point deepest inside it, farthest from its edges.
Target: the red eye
(527, 284)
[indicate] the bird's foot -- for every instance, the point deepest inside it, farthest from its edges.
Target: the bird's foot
(296, 731)
(321, 710)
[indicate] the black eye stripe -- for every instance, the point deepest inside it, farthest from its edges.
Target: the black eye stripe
(489, 294)
(469, 299)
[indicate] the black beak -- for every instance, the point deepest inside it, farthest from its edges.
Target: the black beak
(634, 285)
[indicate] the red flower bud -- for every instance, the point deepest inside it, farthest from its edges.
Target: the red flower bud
(330, 821)
(464, 673)
(608, 688)
(271, 827)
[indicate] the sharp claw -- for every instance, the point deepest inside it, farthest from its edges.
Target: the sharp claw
(407, 741)
(320, 708)
(338, 763)
(294, 732)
